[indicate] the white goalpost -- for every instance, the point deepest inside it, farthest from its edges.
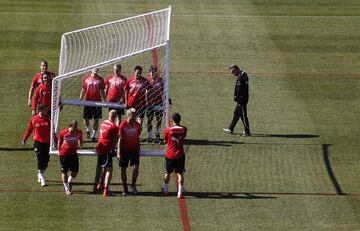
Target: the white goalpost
(140, 40)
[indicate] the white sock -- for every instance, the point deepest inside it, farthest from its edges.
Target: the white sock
(87, 129)
(70, 178)
(41, 176)
(93, 134)
(180, 190)
(66, 185)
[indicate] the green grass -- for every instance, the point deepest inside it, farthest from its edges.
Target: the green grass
(302, 58)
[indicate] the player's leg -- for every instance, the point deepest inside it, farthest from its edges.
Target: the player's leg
(74, 168)
(87, 116)
(95, 128)
(108, 174)
(97, 111)
(180, 185)
(180, 169)
(135, 162)
(42, 156)
(64, 169)
(123, 164)
(169, 168)
(158, 115)
(102, 162)
(150, 117)
(245, 120)
(124, 180)
(236, 117)
(108, 177)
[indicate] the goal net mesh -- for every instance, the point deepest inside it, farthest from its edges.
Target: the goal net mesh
(136, 41)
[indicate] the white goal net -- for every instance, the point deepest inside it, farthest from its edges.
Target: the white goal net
(139, 41)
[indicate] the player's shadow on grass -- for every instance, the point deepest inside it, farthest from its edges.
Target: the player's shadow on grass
(209, 195)
(16, 149)
(211, 143)
(291, 136)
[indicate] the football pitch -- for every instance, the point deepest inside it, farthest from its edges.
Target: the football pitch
(300, 169)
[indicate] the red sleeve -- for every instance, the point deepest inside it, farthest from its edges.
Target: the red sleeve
(34, 82)
(126, 85)
(107, 82)
(29, 130)
(61, 138)
(115, 131)
(36, 99)
(121, 129)
(83, 85)
(80, 136)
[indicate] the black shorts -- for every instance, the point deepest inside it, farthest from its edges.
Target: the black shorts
(132, 157)
(42, 154)
(69, 162)
(175, 165)
(119, 111)
(92, 112)
(105, 160)
(154, 110)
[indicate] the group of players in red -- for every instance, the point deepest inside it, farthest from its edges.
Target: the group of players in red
(138, 93)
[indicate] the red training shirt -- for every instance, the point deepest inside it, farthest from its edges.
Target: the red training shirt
(136, 92)
(41, 127)
(174, 138)
(43, 96)
(115, 88)
(37, 80)
(68, 142)
(93, 86)
(108, 134)
(129, 133)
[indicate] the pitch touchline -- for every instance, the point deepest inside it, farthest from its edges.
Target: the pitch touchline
(187, 15)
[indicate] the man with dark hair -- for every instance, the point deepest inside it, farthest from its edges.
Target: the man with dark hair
(174, 137)
(154, 99)
(241, 97)
(69, 140)
(135, 88)
(40, 123)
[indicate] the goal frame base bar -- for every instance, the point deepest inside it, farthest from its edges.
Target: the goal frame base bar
(93, 103)
(91, 152)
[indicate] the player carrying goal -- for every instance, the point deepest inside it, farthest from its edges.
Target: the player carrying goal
(154, 99)
(114, 90)
(92, 89)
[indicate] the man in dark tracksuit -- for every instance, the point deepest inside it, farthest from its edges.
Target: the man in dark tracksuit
(241, 97)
